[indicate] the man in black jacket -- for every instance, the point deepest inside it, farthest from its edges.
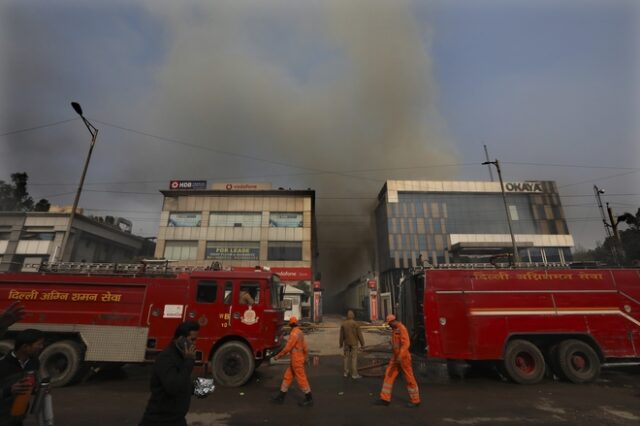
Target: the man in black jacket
(171, 385)
(13, 369)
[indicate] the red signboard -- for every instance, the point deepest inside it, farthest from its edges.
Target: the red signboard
(316, 284)
(285, 274)
(373, 305)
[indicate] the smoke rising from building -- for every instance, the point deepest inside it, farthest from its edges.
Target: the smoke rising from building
(325, 86)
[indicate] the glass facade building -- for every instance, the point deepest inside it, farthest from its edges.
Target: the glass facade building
(463, 222)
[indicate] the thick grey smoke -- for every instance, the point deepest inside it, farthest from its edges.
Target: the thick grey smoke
(326, 86)
(335, 86)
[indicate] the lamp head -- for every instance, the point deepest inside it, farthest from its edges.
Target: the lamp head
(77, 108)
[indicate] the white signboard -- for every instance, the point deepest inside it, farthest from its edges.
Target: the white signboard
(173, 311)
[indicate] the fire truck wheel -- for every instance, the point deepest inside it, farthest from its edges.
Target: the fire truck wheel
(6, 346)
(523, 362)
(232, 364)
(61, 361)
(578, 361)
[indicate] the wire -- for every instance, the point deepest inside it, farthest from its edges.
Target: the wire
(232, 154)
(584, 166)
(42, 126)
(600, 178)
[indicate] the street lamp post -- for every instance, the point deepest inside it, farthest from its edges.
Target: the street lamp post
(516, 255)
(94, 134)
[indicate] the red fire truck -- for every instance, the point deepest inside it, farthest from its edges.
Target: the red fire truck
(527, 319)
(104, 313)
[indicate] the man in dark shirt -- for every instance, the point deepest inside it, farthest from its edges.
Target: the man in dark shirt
(171, 385)
(13, 369)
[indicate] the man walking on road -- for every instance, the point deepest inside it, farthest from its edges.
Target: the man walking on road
(298, 349)
(350, 335)
(171, 385)
(400, 360)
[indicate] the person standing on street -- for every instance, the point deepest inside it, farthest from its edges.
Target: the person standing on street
(400, 360)
(298, 349)
(171, 384)
(14, 369)
(350, 336)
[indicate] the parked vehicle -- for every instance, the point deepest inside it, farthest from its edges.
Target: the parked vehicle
(570, 320)
(105, 313)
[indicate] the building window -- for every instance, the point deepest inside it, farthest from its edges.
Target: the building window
(285, 220)
(232, 250)
(189, 220)
(181, 250)
(285, 250)
(249, 293)
(513, 212)
(207, 292)
(38, 236)
(5, 235)
(237, 220)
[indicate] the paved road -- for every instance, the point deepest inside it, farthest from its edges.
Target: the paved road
(481, 399)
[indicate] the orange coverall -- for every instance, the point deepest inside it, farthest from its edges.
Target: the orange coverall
(400, 360)
(298, 348)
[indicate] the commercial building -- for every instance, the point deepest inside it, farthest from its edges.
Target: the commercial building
(30, 238)
(463, 221)
(240, 225)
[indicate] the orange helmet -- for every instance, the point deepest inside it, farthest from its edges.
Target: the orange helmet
(390, 318)
(293, 320)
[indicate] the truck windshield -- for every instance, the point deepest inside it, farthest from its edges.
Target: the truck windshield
(276, 292)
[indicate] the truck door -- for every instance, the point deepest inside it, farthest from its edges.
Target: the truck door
(209, 311)
(166, 309)
(248, 308)
(454, 325)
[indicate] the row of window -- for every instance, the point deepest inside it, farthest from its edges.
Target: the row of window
(249, 293)
(233, 250)
(237, 219)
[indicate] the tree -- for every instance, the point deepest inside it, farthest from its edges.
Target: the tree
(630, 239)
(15, 198)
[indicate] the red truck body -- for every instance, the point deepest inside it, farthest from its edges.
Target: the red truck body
(93, 318)
(571, 320)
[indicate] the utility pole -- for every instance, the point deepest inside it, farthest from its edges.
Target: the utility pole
(486, 155)
(94, 134)
(616, 235)
(607, 228)
(516, 255)
(597, 191)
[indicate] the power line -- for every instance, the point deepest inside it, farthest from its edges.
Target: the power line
(584, 166)
(600, 178)
(228, 153)
(42, 126)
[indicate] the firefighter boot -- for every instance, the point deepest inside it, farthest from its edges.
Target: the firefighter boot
(308, 400)
(279, 399)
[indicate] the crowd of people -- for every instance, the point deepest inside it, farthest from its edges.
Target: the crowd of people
(171, 382)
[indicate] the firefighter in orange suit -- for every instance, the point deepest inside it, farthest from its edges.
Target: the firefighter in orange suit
(400, 360)
(298, 349)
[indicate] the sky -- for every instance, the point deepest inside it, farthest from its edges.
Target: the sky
(334, 95)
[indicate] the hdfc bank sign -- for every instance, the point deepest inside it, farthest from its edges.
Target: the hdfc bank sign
(188, 184)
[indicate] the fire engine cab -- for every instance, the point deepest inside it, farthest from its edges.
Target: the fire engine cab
(117, 313)
(570, 320)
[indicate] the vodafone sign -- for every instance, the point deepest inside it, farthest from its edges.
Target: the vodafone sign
(286, 274)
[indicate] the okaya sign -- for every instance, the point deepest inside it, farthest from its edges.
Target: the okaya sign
(523, 187)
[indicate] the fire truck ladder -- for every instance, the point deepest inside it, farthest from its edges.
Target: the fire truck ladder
(146, 267)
